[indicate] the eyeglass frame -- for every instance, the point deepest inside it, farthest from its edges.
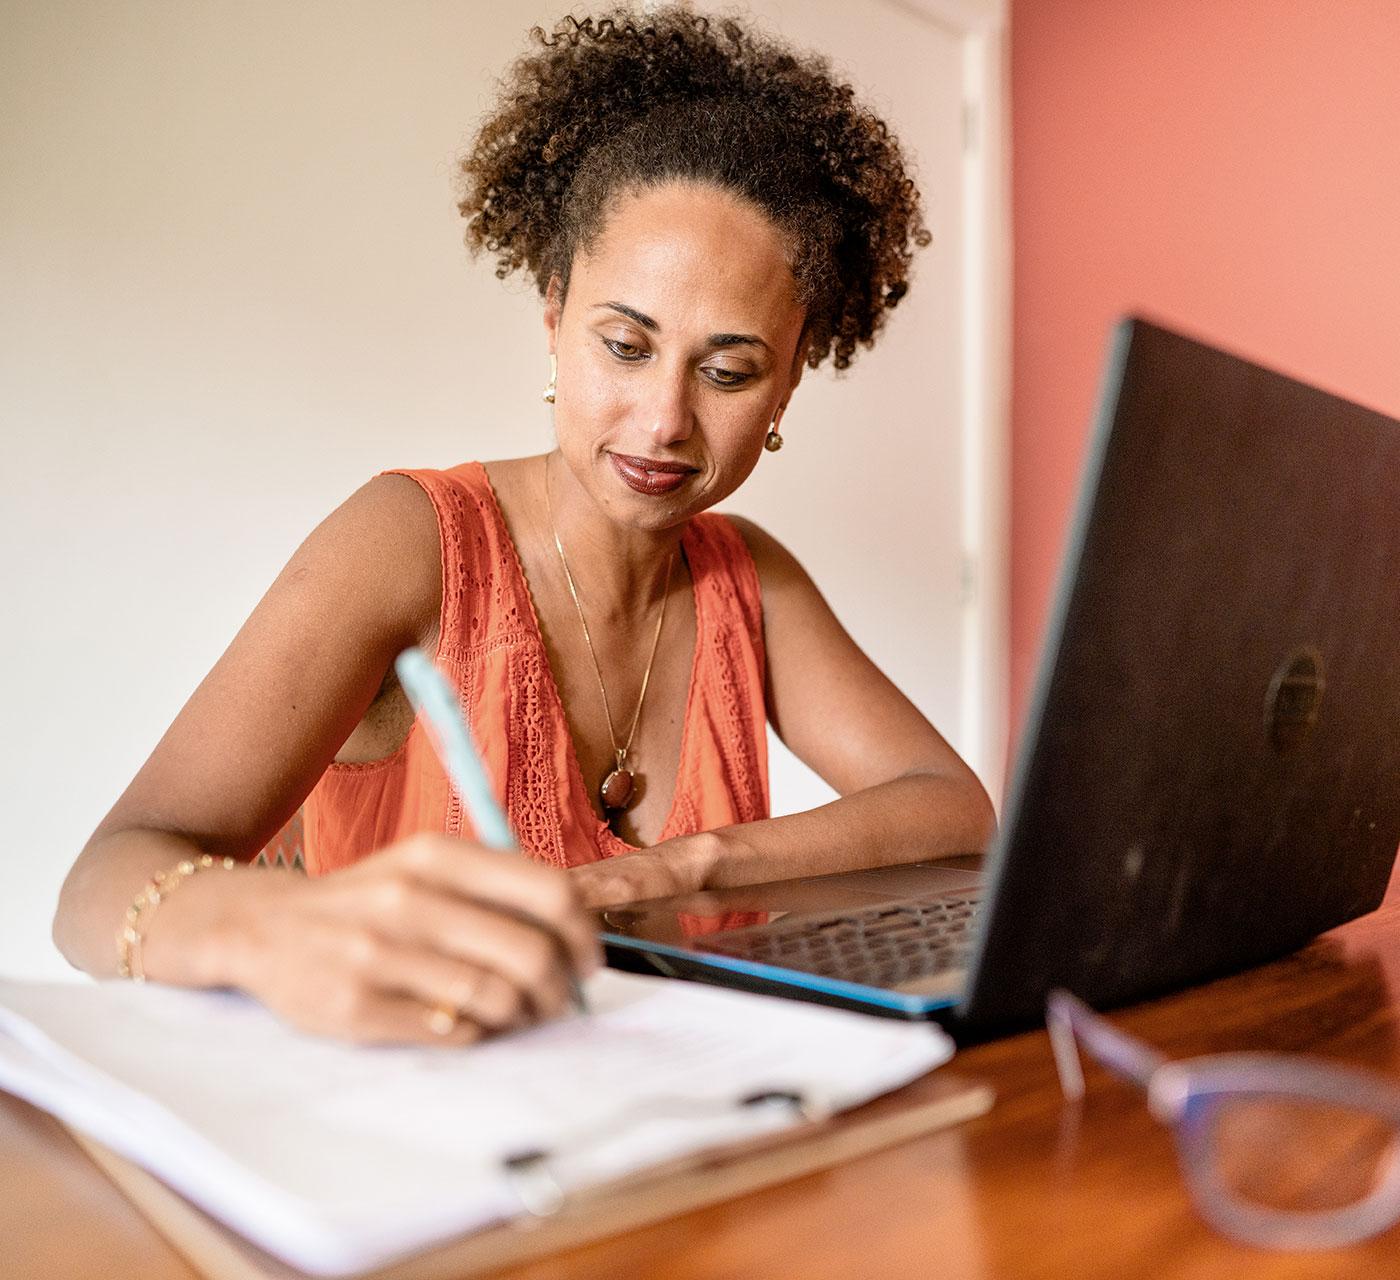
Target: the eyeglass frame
(1184, 1093)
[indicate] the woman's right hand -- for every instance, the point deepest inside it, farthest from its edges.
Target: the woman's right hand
(362, 954)
(366, 953)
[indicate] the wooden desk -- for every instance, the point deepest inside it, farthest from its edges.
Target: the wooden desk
(1034, 1189)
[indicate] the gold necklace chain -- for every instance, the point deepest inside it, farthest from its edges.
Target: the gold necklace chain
(619, 753)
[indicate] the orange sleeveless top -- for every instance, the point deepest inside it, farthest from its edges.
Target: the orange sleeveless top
(491, 649)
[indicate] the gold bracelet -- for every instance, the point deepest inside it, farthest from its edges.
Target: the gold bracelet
(143, 907)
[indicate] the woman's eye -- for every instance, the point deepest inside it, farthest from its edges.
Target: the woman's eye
(623, 350)
(726, 377)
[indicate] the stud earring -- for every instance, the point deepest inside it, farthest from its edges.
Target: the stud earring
(553, 378)
(773, 441)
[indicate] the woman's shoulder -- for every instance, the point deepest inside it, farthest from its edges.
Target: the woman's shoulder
(478, 577)
(779, 573)
(454, 505)
(400, 528)
(727, 523)
(466, 477)
(740, 534)
(388, 530)
(389, 514)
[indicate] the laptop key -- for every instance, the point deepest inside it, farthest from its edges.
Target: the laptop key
(879, 946)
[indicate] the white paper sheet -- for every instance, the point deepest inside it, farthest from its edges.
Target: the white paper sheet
(338, 1158)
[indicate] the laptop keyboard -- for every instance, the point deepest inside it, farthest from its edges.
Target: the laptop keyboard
(877, 946)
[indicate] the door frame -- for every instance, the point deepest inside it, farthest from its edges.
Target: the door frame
(981, 28)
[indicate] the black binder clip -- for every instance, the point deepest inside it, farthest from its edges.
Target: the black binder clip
(786, 1098)
(538, 1189)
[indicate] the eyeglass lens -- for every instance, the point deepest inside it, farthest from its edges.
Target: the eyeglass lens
(1298, 1155)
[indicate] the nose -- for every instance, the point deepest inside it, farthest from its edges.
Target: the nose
(670, 415)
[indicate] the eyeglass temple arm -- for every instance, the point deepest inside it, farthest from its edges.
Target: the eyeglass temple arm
(1071, 1023)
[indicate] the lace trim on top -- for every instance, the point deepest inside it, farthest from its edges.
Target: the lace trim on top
(492, 649)
(537, 705)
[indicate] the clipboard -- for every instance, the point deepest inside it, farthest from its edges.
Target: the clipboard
(937, 1101)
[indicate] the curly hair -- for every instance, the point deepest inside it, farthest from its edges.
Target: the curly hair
(624, 103)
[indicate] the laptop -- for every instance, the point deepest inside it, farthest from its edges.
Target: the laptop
(1210, 771)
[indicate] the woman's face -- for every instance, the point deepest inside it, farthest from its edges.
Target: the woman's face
(676, 345)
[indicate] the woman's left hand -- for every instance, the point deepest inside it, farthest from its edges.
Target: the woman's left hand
(672, 867)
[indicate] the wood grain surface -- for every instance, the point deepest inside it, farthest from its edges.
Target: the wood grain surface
(1035, 1188)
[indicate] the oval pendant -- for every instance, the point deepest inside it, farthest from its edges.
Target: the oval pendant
(616, 790)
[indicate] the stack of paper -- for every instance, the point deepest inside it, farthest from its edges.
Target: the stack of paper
(337, 1158)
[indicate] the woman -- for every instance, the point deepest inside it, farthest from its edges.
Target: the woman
(705, 214)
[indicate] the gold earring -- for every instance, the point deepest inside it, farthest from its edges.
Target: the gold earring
(773, 441)
(553, 378)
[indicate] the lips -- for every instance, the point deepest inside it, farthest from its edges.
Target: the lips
(650, 475)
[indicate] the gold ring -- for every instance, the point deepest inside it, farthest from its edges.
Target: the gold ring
(441, 1018)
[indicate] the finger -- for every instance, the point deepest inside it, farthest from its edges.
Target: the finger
(528, 889)
(387, 1018)
(403, 910)
(344, 974)
(602, 888)
(476, 994)
(634, 878)
(374, 1017)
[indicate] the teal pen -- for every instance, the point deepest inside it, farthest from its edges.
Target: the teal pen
(433, 699)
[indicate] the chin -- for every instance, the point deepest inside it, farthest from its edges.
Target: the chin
(650, 516)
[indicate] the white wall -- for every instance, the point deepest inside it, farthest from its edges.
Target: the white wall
(234, 289)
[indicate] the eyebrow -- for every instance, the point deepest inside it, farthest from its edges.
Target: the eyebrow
(714, 340)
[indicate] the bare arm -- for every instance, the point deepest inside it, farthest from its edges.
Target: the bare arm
(905, 793)
(239, 759)
(253, 738)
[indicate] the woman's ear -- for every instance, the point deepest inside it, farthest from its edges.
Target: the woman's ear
(553, 310)
(799, 361)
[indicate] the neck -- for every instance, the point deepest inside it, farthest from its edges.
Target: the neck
(620, 573)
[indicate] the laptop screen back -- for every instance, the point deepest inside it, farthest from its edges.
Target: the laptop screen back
(1211, 765)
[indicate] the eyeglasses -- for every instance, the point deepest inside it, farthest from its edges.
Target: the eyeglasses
(1280, 1151)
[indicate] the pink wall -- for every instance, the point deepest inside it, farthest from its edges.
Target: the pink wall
(1230, 166)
